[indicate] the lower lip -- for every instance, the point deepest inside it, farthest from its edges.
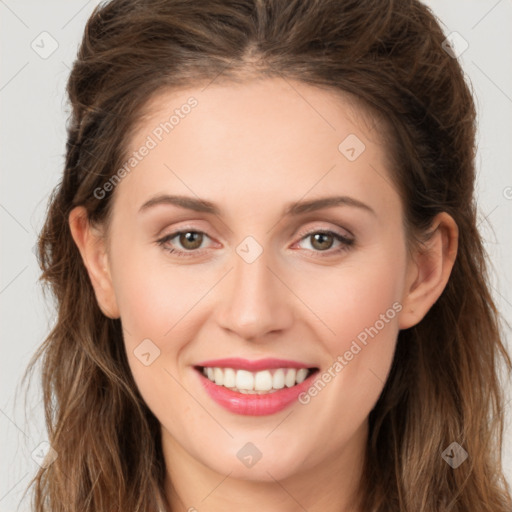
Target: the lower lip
(254, 404)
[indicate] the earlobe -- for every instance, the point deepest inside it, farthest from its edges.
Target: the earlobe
(429, 271)
(91, 245)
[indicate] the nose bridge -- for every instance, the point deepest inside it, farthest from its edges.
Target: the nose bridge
(255, 300)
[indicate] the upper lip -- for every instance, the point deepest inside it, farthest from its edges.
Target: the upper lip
(238, 363)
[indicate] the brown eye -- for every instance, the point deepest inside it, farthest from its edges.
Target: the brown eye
(191, 240)
(322, 241)
(328, 243)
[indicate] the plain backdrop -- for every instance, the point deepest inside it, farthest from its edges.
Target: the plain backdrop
(38, 43)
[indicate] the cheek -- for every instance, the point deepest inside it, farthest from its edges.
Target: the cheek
(154, 310)
(157, 305)
(354, 296)
(360, 304)
(152, 296)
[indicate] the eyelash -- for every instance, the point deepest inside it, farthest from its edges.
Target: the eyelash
(346, 243)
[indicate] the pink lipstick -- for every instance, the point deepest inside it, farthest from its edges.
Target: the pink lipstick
(251, 403)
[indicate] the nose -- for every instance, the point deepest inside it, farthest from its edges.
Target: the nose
(254, 300)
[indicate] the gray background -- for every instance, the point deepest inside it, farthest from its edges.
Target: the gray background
(32, 134)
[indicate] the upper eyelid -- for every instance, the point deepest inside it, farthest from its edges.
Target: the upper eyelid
(300, 232)
(333, 227)
(312, 230)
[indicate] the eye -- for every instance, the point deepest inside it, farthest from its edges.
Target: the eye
(189, 239)
(321, 241)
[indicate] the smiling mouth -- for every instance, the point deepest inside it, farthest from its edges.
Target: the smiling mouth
(260, 382)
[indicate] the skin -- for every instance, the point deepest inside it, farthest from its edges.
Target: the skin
(251, 149)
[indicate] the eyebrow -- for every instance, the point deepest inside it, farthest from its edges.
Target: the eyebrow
(295, 208)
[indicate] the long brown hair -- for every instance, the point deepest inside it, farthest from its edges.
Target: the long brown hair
(444, 384)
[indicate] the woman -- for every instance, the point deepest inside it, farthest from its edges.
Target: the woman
(271, 289)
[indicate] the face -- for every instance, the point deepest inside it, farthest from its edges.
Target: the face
(267, 271)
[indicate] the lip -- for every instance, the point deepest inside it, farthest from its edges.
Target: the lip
(253, 404)
(239, 363)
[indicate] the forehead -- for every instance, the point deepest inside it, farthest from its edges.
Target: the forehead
(282, 97)
(264, 136)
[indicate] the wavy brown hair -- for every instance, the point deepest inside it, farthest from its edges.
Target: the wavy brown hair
(445, 381)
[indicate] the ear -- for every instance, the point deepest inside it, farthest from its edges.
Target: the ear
(91, 244)
(429, 270)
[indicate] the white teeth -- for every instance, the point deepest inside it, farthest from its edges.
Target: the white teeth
(229, 377)
(219, 376)
(263, 381)
(301, 375)
(244, 379)
(289, 379)
(278, 379)
(256, 382)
